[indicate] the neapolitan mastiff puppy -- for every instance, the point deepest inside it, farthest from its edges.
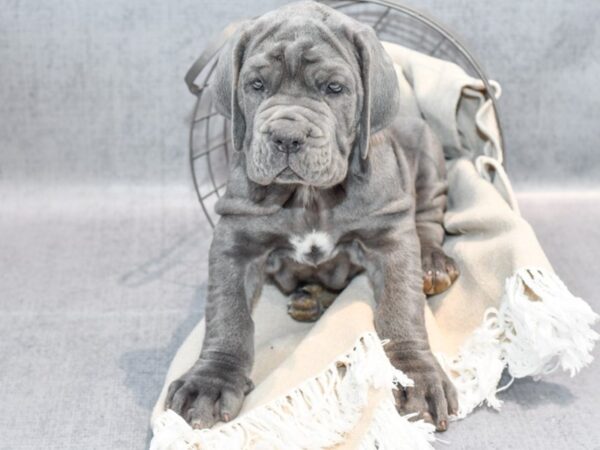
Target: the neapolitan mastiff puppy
(329, 181)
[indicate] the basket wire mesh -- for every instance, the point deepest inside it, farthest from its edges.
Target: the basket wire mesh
(210, 135)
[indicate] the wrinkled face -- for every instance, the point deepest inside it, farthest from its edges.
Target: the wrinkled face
(300, 98)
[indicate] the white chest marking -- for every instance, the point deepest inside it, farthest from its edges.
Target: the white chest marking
(312, 247)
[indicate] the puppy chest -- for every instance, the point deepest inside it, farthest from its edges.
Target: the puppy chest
(312, 248)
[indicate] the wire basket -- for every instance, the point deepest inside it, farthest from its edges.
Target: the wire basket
(210, 134)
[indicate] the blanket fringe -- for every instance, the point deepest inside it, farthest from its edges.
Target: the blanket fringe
(391, 431)
(316, 415)
(539, 327)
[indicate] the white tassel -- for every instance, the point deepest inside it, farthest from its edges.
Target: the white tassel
(539, 327)
(316, 415)
(477, 369)
(391, 431)
(172, 432)
(544, 326)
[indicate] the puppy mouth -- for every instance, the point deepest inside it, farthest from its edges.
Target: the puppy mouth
(288, 176)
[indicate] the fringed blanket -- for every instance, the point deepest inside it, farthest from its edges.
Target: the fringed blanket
(329, 384)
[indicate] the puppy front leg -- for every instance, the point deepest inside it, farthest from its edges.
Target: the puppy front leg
(399, 317)
(214, 388)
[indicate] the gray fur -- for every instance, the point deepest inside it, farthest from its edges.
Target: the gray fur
(342, 163)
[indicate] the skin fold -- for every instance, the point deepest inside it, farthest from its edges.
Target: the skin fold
(330, 180)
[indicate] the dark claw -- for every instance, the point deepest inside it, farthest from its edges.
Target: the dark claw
(439, 271)
(442, 425)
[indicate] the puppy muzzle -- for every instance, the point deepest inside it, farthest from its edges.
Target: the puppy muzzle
(291, 139)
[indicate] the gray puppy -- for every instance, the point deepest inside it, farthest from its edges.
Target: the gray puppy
(329, 181)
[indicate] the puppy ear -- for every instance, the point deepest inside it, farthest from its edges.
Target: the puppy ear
(381, 95)
(224, 84)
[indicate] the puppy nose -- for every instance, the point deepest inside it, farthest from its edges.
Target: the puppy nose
(288, 143)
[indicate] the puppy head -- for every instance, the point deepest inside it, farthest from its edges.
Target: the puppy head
(304, 87)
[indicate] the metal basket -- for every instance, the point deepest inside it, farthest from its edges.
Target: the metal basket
(210, 134)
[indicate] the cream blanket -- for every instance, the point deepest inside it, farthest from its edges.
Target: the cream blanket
(328, 385)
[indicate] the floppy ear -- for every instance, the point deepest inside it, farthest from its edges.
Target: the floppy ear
(224, 84)
(381, 98)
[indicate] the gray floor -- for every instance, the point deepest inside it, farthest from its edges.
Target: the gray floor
(98, 289)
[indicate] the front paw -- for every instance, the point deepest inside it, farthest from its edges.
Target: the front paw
(439, 270)
(433, 397)
(210, 391)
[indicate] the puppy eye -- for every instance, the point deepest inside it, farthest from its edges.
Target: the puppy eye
(257, 85)
(334, 88)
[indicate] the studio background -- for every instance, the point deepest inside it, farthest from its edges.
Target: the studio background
(103, 245)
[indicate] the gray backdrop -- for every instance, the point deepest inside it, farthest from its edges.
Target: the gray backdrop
(92, 92)
(103, 247)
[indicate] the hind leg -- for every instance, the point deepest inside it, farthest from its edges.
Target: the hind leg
(309, 302)
(439, 270)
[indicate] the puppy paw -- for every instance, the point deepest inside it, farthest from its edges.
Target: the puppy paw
(439, 270)
(308, 303)
(433, 397)
(209, 392)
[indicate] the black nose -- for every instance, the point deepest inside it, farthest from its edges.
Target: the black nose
(287, 143)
